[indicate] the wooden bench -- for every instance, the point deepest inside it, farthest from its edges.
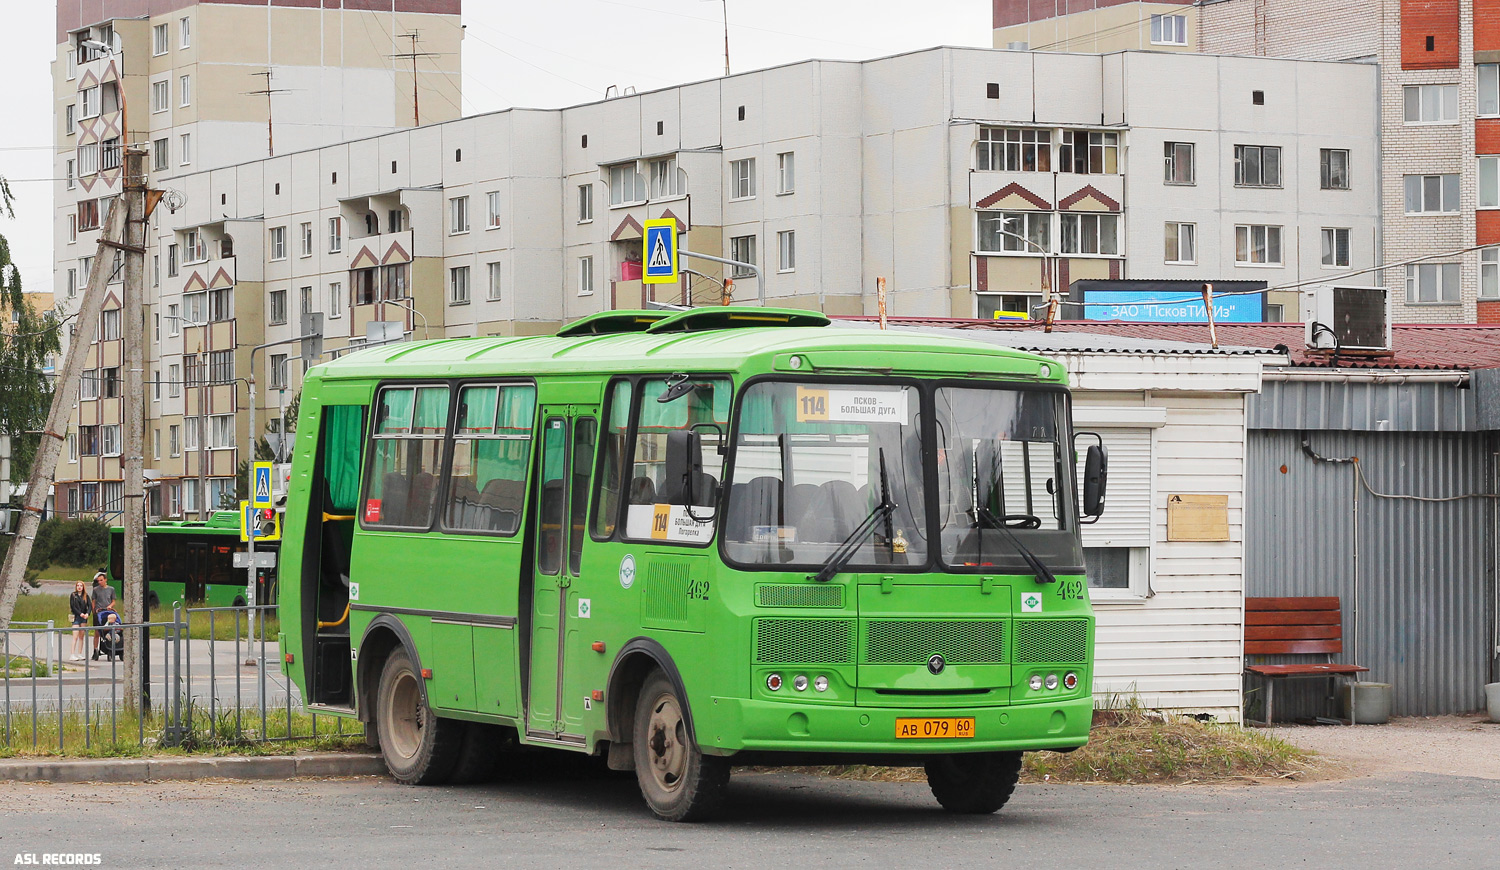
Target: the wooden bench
(1294, 626)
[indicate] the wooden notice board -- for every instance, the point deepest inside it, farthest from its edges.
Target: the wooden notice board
(1197, 517)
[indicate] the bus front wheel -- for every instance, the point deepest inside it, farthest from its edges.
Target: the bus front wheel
(973, 784)
(419, 747)
(679, 783)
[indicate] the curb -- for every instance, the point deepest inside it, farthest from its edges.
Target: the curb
(188, 769)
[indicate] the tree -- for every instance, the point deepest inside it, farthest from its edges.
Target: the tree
(29, 340)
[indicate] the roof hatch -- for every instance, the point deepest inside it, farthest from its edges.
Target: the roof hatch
(613, 322)
(721, 317)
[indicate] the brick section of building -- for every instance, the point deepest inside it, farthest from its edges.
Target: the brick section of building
(1006, 13)
(1487, 227)
(1489, 312)
(1487, 136)
(1487, 25)
(1312, 29)
(1429, 34)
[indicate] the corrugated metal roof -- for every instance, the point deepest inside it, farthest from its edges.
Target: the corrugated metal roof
(1416, 345)
(1059, 341)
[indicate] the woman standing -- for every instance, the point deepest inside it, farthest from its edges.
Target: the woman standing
(81, 607)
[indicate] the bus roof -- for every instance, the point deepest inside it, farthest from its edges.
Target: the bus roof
(822, 349)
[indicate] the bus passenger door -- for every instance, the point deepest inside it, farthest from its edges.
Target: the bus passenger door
(195, 588)
(568, 437)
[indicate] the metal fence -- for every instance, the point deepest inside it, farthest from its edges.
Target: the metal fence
(208, 679)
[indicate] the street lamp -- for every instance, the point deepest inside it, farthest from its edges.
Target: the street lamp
(413, 310)
(1047, 266)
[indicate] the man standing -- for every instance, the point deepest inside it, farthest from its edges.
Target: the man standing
(104, 599)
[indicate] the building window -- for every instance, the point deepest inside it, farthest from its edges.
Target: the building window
(494, 210)
(1015, 232)
(278, 371)
(1091, 234)
(458, 285)
(174, 322)
(585, 203)
(336, 301)
(1182, 247)
(1257, 245)
(1335, 246)
(88, 214)
(1489, 273)
(156, 392)
(88, 497)
(664, 178)
(458, 215)
(72, 283)
(1489, 182)
(71, 174)
(156, 442)
(585, 276)
(172, 260)
(174, 439)
(1431, 104)
(1431, 283)
(1014, 149)
(1333, 168)
(1087, 152)
(742, 178)
(1257, 166)
(221, 429)
(278, 306)
(365, 281)
(185, 90)
(88, 102)
(184, 29)
(1169, 30)
(395, 220)
(88, 386)
(109, 324)
(88, 438)
(160, 42)
(278, 243)
(304, 301)
(195, 308)
(307, 239)
(742, 250)
(786, 173)
(160, 155)
(72, 446)
(221, 304)
(626, 185)
(88, 159)
(70, 120)
(194, 370)
(109, 383)
(786, 248)
(1181, 167)
(174, 389)
(72, 229)
(1432, 194)
(109, 440)
(493, 293)
(185, 149)
(161, 96)
(1489, 90)
(194, 249)
(85, 268)
(393, 281)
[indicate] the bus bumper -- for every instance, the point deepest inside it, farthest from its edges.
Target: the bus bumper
(739, 724)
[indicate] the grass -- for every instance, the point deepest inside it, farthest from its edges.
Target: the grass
(21, 667)
(100, 735)
(39, 607)
(65, 574)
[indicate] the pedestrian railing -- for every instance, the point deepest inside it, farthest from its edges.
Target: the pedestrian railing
(207, 679)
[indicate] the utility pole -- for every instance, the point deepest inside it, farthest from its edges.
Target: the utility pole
(134, 328)
(44, 464)
(416, 37)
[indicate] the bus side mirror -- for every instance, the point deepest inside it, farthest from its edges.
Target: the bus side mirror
(1095, 476)
(683, 463)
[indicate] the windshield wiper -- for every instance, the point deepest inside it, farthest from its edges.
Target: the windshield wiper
(850, 546)
(1042, 572)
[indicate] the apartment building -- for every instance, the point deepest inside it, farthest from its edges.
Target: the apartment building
(1439, 127)
(201, 85)
(974, 181)
(1096, 25)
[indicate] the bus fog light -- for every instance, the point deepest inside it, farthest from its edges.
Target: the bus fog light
(773, 682)
(795, 362)
(800, 683)
(1051, 681)
(1036, 682)
(821, 683)
(1070, 681)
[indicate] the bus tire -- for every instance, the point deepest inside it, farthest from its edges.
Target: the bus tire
(679, 783)
(974, 783)
(419, 747)
(479, 753)
(152, 602)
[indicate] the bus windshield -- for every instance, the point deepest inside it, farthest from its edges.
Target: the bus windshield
(811, 463)
(1002, 470)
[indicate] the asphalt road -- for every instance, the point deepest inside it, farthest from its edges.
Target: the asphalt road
(1399, 821)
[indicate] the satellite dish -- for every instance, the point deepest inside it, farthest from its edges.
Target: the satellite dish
(174, 199)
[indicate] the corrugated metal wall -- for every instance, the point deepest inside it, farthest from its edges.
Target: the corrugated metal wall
(1426, 602)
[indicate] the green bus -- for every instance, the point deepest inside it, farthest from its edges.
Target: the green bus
(685, 541)
(193, 562)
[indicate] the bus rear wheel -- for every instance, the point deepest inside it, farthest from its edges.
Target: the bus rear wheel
(973, 784)
(419, 747)
(679, 783)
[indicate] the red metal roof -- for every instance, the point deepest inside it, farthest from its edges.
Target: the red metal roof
(1416, 345)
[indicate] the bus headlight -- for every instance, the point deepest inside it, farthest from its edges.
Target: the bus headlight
(1036, 682)
(1070, 681)
(773, 682)
(1051, 682)
(821, 683)
(800, 683)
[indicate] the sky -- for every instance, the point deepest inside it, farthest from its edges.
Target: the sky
(539, 54)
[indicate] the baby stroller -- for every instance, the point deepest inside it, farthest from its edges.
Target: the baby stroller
(112, 637)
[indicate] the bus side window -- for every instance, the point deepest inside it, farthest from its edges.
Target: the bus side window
(611, 483)
(491, 452)
(678, 453)
(408, 455)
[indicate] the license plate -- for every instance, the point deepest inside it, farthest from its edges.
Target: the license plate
(959, 726)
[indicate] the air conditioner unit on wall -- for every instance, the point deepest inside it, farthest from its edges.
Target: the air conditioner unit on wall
(1346, 318)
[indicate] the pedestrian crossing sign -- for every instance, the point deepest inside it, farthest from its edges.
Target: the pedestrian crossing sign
(659, 254)
(260, 496)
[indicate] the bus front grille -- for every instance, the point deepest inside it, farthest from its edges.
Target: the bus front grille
(1052, 641)
(822, 595)
(804, 641)
(914, 641)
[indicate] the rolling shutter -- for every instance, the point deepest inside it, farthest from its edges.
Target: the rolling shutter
(1127, 496)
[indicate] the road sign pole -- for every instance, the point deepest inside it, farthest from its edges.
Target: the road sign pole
(260, 499)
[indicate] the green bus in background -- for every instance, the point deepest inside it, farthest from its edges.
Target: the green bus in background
(694, 540)
(192, 562)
